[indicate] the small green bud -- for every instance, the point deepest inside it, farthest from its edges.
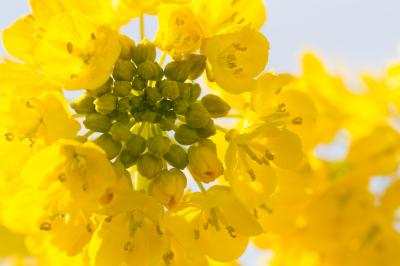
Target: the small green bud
(127, 47)
(165, 105)
(178, 70)
(185, 135)
(149, 165)
(127, 159)
(198, 65)
(122, 117)
(124, 70)
(184, 90)
(197, 116)
(106, 103)
(122, 88)
(136, 103)
(121, 131)
(167, 122)
(158, 145)
(84, 104)
(136, 145)
(149, 116)
(153, 95)
(97, 122)
(123, 104)
(195, 91)
(177, 156)
(139, 84)
(149, 70)
(180, 106)
(215, 105)
(169, 89)
(106, 87)
(145, 50)
(111, 146)
(207, 131)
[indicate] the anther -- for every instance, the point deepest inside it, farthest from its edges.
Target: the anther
(297, 120)
(128, 247)
(89, 228)
(70, 47)
(252, 175)
(281, 107)
(168, 257)
(269, 155)
(93, 36)
(238, 47)
(159, 231)
(9, 136)
(196, 234)
(62, 177)
(45, 226)
(108, 219)
(231, 231)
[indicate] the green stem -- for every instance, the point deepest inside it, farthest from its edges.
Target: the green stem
(141, 26)
(222, 129)
(200, 185)
(162, 59)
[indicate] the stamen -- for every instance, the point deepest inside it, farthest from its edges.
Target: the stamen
(297, 120)
(62, 177)
(196, 234)
(231, 231)
(9, 136)
(252, 175)
(128, 247)
(70, 47)
(45, 226)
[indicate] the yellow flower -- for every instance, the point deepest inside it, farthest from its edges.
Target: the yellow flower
(237, 55)
(81, 55)
(218, 15)
(179, 32)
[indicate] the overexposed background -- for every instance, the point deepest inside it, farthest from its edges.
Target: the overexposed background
(353, 35)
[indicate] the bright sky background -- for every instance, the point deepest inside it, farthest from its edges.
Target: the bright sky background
(350, 34)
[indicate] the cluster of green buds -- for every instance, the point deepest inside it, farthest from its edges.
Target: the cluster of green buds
(153, 117)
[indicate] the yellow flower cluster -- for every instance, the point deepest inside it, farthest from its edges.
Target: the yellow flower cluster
(146, 166)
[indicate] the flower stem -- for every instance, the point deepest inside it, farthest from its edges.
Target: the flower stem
(141, 26)
(162, 59)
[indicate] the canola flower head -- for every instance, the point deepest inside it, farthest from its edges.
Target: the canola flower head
(185, 158)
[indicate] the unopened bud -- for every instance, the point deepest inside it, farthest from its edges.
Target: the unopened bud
(122, 88)
(145, 50)
(180, 106)
(167, 122)
(198, 65)
(136, 145)
(178, 70)
(120, 117)
(109, 145)
(186, 135)
(149, 166)
(123, 104)
(139, 84)
(127, 47)
(215, 105)
(137, 103)
(97, 122)
(127, 159)
(149, 116)
(153, 95)
(121, 131)
(149, 70)
(84, 104)
(169, 89)
(197, 116)
(158, 145)
(106, 103)
(168, 188)
(207, 131)
(177, 156)
(184, 91)
(204, 164)
(195, 91)
(106, 87)
(124, 70)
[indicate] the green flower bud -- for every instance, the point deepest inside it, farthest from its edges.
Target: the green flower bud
(97, 122)
(124, 70)
(207, 131)
(204, 164)
(164, 105)
(145, 50)
(111, 146)
(158, 145)
(176, 156)
(195, 91)
(139, 84)
(178, 70)
(120, 131)
(184, 90)
(83, 105)
(122, 88)
(185, 135)
(198, 65)
(169, 89)
(123, 104)
(180, 106)
(153, 95)
(122, 117)
(106, 87)
(106, 103)
(168, 188)
(149, 70)
(137, 103)
(136, 145)
(149, 116)
(127, 47)
(127, 159)
(197, 116)
(149, 165)
(215, 105)
(167, 122)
